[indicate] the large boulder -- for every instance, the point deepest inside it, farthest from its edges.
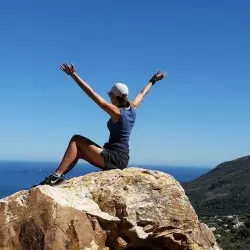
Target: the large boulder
(117, 209)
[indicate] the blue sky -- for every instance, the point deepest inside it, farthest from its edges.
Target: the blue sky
(198, 116)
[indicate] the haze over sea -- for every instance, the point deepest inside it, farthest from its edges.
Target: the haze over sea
(22, 175)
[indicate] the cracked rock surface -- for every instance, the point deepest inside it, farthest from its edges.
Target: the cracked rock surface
(132, 208)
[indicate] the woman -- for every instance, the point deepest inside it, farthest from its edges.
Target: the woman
(115, 153)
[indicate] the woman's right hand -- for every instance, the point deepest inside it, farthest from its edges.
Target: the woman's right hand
(68, 69)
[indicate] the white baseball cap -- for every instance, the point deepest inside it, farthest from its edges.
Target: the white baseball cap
(119, 89)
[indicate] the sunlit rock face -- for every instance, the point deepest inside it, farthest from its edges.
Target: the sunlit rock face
(118, 209)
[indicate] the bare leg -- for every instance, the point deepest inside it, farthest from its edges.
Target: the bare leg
(80, 148)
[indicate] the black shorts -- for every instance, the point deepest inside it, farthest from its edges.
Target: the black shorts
(115, 158)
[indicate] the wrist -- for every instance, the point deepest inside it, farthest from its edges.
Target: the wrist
(153, 81)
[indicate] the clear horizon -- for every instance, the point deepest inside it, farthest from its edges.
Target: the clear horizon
(197, 116)
(130, 164)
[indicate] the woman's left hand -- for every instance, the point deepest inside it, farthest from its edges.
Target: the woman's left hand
(68, 69)
(159, 76)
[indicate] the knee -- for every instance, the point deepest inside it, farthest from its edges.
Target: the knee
(74, 139)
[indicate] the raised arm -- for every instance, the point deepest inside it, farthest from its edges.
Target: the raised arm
(111, 109)
(139, 98)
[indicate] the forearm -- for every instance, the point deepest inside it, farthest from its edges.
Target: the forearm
(146, 89)
(89, 91)
(136, 102)
(109, 108)
(82, 84)
(150, 84)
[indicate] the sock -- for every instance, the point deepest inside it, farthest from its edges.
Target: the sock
(56, 175)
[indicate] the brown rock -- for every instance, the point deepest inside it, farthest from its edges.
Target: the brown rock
(133, 208)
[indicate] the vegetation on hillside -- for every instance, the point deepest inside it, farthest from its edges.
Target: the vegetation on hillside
(221, 198)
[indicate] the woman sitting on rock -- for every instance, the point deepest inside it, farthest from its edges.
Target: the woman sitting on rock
(115, 153)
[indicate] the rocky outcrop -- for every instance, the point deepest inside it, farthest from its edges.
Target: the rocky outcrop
(128, 209)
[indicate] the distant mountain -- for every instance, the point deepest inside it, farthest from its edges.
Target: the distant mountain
(224, 190)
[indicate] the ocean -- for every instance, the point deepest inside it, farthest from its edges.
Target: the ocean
(16, 176)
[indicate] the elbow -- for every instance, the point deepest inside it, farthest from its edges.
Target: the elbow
(135, 104)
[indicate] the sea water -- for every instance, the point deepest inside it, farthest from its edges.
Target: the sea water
(16, 176)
